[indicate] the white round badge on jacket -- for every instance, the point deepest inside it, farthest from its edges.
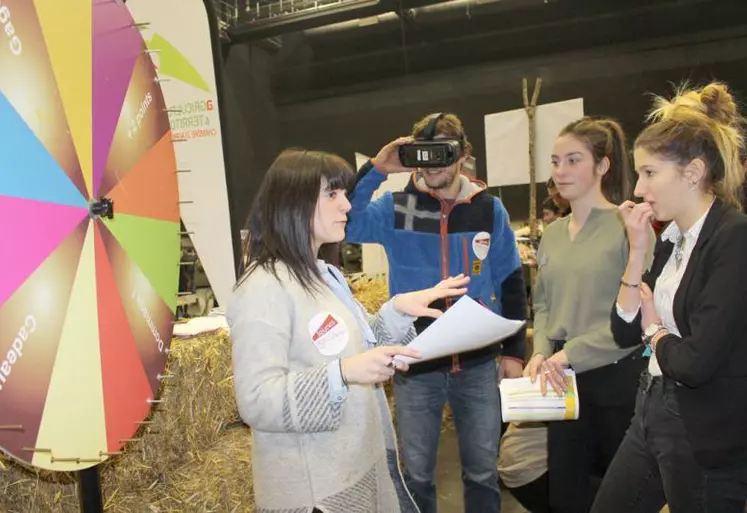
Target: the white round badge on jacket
(329, 333)
(481, 245)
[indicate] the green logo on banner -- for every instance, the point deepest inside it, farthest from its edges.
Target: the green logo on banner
(174, 64)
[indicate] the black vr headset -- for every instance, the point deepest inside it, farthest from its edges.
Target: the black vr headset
(427, 152)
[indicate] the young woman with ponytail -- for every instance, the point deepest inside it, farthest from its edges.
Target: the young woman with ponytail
(580, 261)
(687, 444)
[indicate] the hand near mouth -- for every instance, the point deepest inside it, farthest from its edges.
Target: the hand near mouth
(637, 219)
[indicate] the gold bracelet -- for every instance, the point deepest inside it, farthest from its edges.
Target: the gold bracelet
(660, 333)
(629, 285)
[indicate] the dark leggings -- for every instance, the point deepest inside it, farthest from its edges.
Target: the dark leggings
(584, 448)
(534, 496)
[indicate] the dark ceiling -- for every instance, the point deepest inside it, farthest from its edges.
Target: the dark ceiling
(355, 48)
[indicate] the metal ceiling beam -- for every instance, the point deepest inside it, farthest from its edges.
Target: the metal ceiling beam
(369, 23)
(421, 13)
(411, 4)
(505, 41)
(247, 29)
(616, 60)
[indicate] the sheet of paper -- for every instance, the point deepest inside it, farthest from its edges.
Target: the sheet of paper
(466, 326)
(522, 400)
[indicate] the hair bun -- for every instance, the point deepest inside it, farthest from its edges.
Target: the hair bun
(719, 103)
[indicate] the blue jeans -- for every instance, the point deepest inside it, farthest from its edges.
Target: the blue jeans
(475, 404)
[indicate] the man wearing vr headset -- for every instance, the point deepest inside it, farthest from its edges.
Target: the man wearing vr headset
(444, 224)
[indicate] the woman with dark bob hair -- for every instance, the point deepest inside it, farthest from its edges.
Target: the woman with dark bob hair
(308, 359)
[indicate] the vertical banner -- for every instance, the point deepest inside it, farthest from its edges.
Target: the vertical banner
(507, 141)
(179, 39)
(373, 256)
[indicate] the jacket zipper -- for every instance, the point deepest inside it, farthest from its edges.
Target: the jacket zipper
(466, 256)
(444, 225)
(455, 365)
(445, 211)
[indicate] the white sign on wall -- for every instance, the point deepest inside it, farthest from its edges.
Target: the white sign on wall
(178, 33)
(507, 141)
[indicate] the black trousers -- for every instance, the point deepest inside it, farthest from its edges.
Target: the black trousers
(655, 464)
(533, 496)
(580, 451)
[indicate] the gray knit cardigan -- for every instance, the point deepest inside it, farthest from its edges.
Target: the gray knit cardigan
(310, 447)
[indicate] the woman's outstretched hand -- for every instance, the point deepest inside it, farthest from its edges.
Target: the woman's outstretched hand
(375, 365)
(416, 304)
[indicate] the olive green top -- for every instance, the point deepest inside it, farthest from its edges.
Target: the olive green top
(577, 285)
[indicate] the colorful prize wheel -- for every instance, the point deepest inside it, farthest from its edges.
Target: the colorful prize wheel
(89, 231)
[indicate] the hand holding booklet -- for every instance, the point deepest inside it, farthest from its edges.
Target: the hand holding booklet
(466, 326)
(522, 400)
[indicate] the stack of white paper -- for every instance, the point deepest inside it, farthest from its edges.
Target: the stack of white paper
(522, 400)
(466, 326)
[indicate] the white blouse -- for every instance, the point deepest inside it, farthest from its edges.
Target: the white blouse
(669, 280)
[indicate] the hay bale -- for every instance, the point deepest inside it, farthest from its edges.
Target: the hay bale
(195, 456)
(32, 490)
(372, 292)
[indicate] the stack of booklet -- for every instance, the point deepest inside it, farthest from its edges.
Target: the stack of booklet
(522, 400)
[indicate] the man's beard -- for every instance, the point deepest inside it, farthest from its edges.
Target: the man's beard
(442, 182)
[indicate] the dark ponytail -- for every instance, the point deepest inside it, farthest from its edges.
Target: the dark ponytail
(605, 138)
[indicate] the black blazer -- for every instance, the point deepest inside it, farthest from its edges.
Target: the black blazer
(709, 362)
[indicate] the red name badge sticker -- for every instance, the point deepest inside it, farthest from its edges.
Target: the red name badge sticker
(328, 333)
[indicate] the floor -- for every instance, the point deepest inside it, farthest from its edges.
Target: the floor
(449, 479)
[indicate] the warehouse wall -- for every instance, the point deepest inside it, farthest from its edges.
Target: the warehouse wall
(613, 82)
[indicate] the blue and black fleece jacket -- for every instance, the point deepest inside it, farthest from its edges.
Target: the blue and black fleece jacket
(428, 239)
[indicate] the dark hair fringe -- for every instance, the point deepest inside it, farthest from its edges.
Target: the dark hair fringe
(280, 221)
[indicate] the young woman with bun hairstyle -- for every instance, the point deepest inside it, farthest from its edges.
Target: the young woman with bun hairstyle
(687, 443)
(580, 261)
